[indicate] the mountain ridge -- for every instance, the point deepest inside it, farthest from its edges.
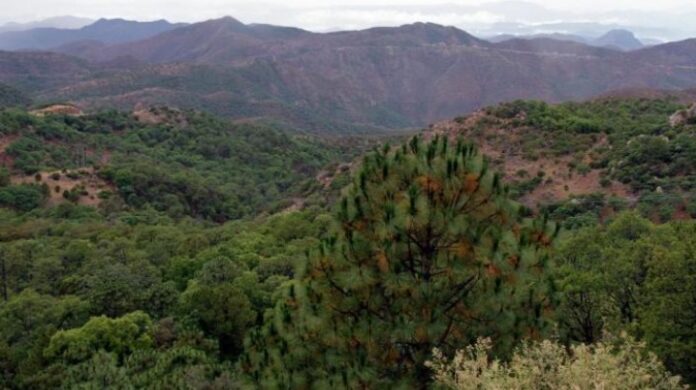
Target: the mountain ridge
(102, 30)
(373, 79)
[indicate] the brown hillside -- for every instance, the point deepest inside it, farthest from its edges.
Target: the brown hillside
(501, 141)
(86, 184)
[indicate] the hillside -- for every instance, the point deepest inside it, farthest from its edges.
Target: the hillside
(166, 248)
(589, 160)
(36, 71)
(11, 97)
(179, 163)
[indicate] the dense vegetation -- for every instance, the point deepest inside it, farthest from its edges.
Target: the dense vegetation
(627, 140)
(649, 291)
(189, 164)
(179, 296)
(192, 271)
(429, 252)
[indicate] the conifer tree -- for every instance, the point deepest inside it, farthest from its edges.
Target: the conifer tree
(428, 251)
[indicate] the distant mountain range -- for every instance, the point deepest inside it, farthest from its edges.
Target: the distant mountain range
(613, 39)
(66, 22)
(103, 31)
(367, 80)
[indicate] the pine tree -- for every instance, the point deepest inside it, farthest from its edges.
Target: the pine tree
(428, 252)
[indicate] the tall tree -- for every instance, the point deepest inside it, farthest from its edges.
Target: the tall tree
(428, 252)
(667, 310)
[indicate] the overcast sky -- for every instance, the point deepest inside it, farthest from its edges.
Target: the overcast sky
(669, 19)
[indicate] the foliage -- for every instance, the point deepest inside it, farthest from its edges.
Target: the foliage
(667, 320)
(629, 140)
(197, 166)
(23, 197)
(197, 270)
(648, 291)
(203, 287)
(121, 336)
(27, 321)
(428, 252)
(621, 364)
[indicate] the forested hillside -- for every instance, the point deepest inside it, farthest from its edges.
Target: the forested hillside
(582, 162)
(180, 163)
(172, 249)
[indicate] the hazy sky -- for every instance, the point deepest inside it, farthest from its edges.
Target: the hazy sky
(658, 17)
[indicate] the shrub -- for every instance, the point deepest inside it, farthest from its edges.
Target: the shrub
(23, 197)
(4, 177)
(623, 364)
(583, 169)
(72, 195)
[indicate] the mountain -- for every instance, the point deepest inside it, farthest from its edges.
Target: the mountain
(62, 22)
(218, 40)
(367, 80)
(620, 39)
(555, 36)
(41, 70)
(226, 40)
(551, 46)
(682, 53)
(108, 31)
(614, 39)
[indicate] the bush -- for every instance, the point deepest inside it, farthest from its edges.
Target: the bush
(25, 197)
(72, 195)
(548, 365)
(691, 207)
(658, 204)
(4, 177)
(583, 169)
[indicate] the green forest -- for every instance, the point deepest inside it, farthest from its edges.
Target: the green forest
(185, 251)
